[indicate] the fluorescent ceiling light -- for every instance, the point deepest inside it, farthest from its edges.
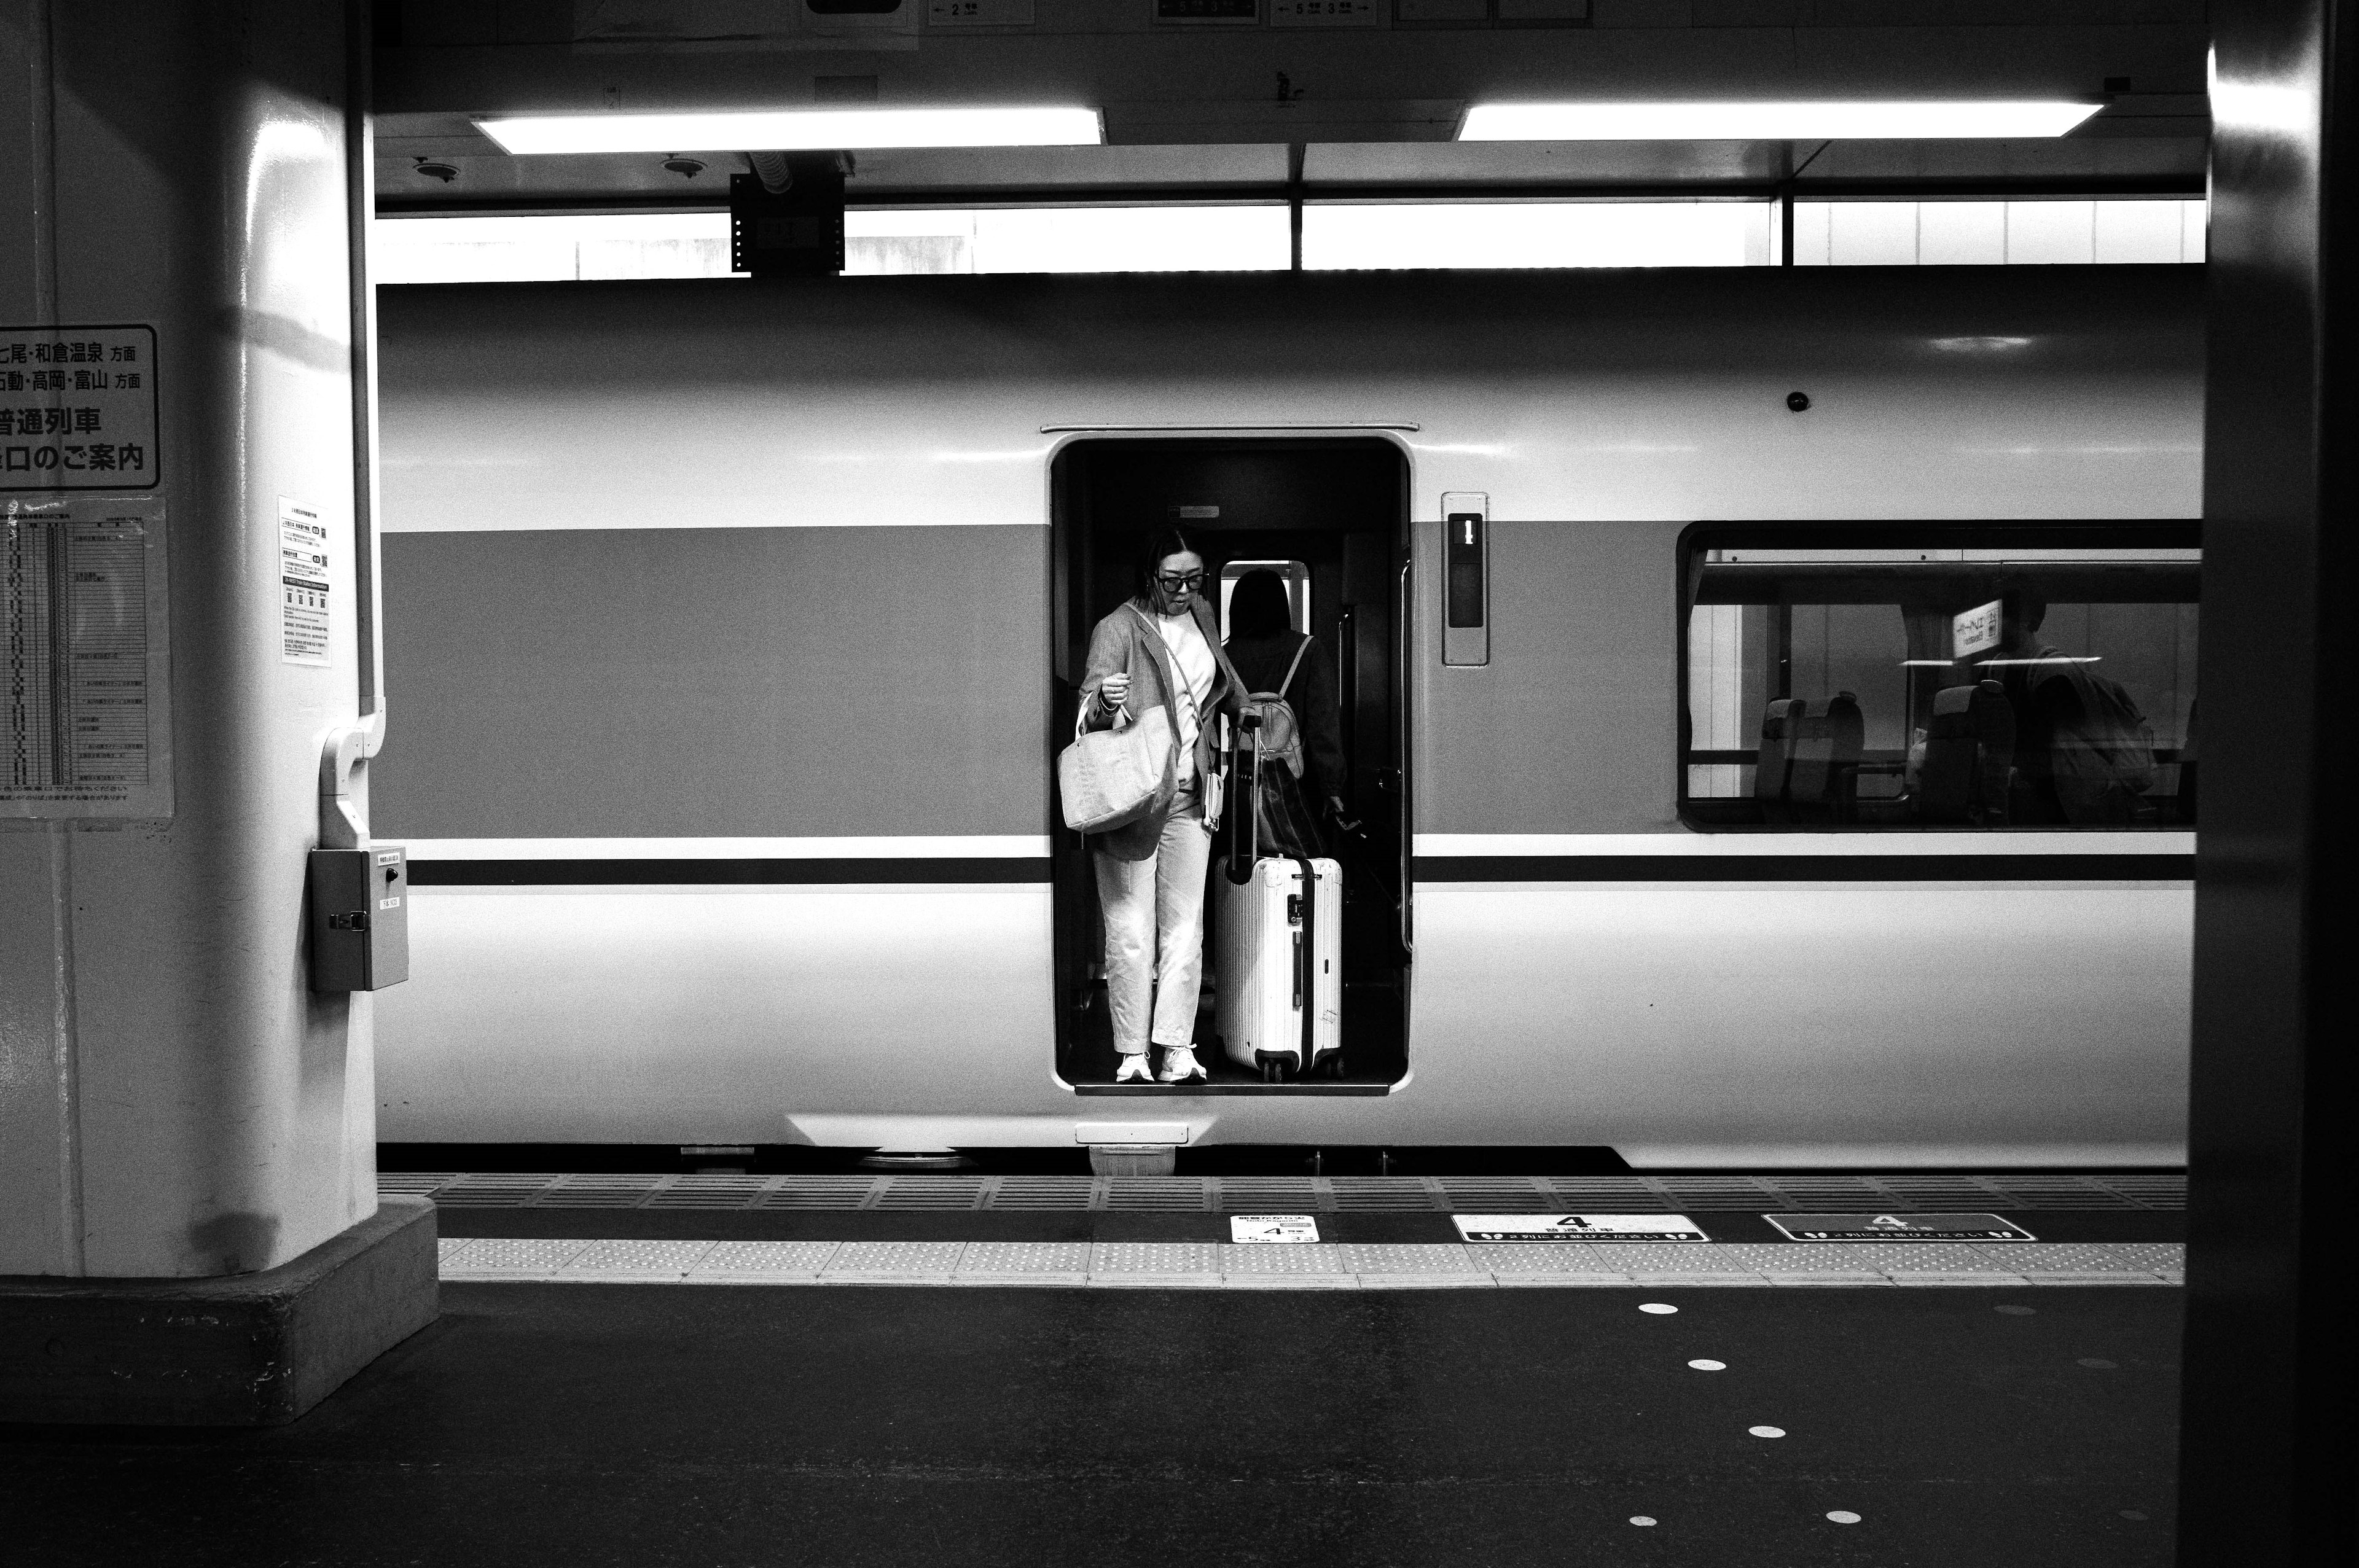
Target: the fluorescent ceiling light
(1768, 122)
(794, 130)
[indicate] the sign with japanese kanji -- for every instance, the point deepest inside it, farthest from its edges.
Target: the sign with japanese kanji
(1518, 1227)
(304, 584)
(85, 679)
(78, 409)
(1266, 1229)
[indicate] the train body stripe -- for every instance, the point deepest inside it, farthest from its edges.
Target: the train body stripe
(723, 872)
(1690, 867)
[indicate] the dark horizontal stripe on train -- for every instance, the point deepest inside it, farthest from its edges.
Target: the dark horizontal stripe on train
(717, 872)
(1803, 868)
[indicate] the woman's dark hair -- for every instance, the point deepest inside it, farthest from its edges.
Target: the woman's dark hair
(1258, 606)
(1156, 547)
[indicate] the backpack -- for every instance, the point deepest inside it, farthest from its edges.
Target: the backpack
(2104, 763)
(1281, 735)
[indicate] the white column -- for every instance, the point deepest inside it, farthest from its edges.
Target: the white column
(174, 1100)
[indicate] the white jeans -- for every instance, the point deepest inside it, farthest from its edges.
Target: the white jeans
(1155, 931)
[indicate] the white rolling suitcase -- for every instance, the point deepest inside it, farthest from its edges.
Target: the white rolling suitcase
(1278, 997)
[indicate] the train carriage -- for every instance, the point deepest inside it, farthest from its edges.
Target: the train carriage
(732, 628)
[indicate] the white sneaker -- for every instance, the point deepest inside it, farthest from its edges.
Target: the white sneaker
(1181, 1067)
(1133, 1069)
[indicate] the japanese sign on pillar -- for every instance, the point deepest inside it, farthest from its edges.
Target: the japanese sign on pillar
(78, 409)
(85, 680)
(85, 688)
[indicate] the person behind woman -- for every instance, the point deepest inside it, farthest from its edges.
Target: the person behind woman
(1262, 643)
(1159, 646)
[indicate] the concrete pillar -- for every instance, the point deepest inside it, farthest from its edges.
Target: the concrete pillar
(181, 182)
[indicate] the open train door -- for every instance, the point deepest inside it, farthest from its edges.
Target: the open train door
(1329, 516)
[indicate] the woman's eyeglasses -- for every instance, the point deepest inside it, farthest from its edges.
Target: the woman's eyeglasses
(1171, 582)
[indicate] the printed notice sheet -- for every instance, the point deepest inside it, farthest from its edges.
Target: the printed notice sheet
(85, 688)
(302, 584)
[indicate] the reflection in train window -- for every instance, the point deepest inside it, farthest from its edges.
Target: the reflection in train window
(1951, 678)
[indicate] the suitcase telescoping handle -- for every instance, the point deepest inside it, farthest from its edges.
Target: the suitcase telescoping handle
(1245, 814)
(1306, 958)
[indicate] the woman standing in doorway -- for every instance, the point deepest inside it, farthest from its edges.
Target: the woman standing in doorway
(1269, 656)
(1160, 647)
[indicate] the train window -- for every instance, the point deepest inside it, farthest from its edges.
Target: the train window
(1946, 678)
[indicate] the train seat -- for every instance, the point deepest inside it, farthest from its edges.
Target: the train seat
(1826, 749)
(1969, 755)
(1780, 723)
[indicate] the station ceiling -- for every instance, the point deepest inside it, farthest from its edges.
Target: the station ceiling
(1359, 100)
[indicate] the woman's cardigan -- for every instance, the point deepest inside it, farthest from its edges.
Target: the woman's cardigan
(1125, 642)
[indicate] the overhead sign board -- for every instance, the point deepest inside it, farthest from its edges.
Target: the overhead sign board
(78, 409)
(1520, 1228)
(1897, 1227)
(1974, 630)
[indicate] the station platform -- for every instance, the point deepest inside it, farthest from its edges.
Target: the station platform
(1050, 1370)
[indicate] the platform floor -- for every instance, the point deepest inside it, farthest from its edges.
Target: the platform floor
(629, 1425)
(1652, 1419)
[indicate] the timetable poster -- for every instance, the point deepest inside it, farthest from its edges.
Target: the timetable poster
(85, 688)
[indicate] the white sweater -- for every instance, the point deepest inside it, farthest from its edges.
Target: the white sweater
(1194, 658)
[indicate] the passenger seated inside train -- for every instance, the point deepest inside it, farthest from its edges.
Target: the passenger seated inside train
(2083, 754)
(1976, 678)
(1275, 661)
(1160, 649)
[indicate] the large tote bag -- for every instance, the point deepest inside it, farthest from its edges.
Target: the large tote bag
(1109, 778)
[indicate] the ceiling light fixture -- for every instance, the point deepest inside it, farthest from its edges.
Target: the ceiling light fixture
(796, 130)
(1771, 122)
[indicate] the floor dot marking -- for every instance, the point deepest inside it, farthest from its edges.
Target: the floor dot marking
(2014, 1311)
(1844, 1515)
(2099, 1362)
(1709, 1366)
(1657, 1308)
(1642, 1518)
(2132, 1513)
(1767, 1431)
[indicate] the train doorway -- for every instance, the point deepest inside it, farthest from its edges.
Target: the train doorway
(1329, 518)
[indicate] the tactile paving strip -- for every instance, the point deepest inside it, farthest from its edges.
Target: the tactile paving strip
(1025, 1258)
(1671, 1258)
(1903, 1193)
(1400, 1257)
(767, 1258)
(2035, 1258)
(888, 1258)
(1289, 1257)
(1863, 1259)
(531, 1256)
(1360, 1264)
(1171, 1257)
(1556, 1257)
(638, 1258)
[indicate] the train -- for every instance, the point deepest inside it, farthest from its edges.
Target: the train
(732, 629)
